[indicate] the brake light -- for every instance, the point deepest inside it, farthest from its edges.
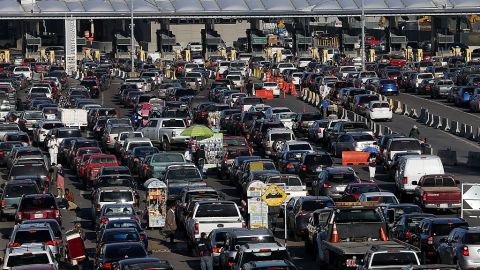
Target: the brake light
(19, 216)
(107, 266)
(2, 153)
(265, 250)
(424, 196)
(48, 179)
(244, 225)
(230, 263)
(304, 168)
(290, 165)
(97, 209)
(14, 244)
(57, 213)
(196, 228)
(216, 250)
(405, 180)
(52, 243)
(408, 235)
(108, 139)
(301, 213)
(430, 240)
(465, 251)
(104, 220)
(326, 185)
(143, 236)
(3, 203)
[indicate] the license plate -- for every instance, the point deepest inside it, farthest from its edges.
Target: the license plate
(319, 169)
(340, 188)
(38, 215)
(351, 263)
(443, 205)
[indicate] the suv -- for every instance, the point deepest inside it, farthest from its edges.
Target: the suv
(389, 256)
(260, 252)
(38, 206)
(275, 139)
(312, 164)
(34, 233)
(28, 254)
(12, 194)
(239, 237)
(112, 195)
(333, 181)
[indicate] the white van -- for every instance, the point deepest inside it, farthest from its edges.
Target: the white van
(412, 168)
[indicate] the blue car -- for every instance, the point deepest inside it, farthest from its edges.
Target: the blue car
(462, 97)
(388, 87)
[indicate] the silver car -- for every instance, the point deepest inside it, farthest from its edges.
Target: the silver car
(461, 247)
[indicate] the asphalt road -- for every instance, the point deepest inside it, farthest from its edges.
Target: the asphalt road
(177, 253)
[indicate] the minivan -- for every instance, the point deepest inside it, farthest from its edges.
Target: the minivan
(412, 168)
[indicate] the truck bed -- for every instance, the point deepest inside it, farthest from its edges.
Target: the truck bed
(354, 248)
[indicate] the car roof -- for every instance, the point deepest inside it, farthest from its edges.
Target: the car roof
(253, 247)
(244, 232)
(374, 194)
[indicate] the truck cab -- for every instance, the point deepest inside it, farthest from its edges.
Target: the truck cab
(165, 131)
(392, 256)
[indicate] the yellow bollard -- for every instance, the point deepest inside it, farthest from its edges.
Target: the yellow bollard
(468, 55)
(97, 55)
(223, 53)
(458, 51)
(233, 55)
(167, 73)
(177, 53)
(42, 76)
(7, 56)
(419, 55)
(372, 55)
(279, 55)
(42, 54)
(325, 56)
(187, 55)
(174, 75)
(409, 54)
(269, 53)
(315, 53)
(52, 57)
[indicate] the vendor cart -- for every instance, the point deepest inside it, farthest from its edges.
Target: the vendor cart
(76, 247)
(156, 203)
(214, 151)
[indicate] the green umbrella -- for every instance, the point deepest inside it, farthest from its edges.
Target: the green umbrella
(197, 131)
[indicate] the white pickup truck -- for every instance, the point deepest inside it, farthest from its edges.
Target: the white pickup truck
(209, 215)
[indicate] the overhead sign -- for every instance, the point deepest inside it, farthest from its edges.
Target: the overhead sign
(70, 45)
(274, 196)
(471, 203)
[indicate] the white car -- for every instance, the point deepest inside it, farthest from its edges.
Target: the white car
(379, 110)
(287, 118)
(284, 66)
(304, 61)
(26, 71)
(296, 77)
(274, 110)
(42, 129)
(194, 46)
(272, 86)
(382, 197)
(237, 80)
(28, 254)
(41, 90)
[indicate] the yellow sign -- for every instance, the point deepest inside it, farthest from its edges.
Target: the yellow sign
(256, 166)
(274, 196)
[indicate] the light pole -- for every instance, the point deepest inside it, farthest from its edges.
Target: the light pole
(131, 37)
(363, 36)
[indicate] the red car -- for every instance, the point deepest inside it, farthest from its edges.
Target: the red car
(84, 151)
(38, 206)
(372, 41)
(353, 191)
(398, 60)
(95, 163)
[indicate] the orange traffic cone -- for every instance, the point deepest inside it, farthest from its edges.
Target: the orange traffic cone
(383, 235)
(334, 237)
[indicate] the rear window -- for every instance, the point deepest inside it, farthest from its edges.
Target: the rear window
(117, 130)
(303, 146)
(115, 210)
(69, 133)
(438, 182)
(133, 145)
(104, 160)
(15, 191)
(366, 99)
(363, 138)
(121, 237)
(314, 205)
(341, 177)
(234, 142)
(253, 239)
(472, 238)
(445, 229)
(394, 258)
(266, 256)
(119, 252)
(37, 169)
(425, 76)
(281, 136)
(143, 151)
(37, 203)
(168, 158)
(52, 125)
(358, 215)
(217, 210)
(351, 126)
(311, 117)
(174, 123)
(252, 101)
(32, 236)
(364, 189)
(27, 259)
(116, 196)
(318, 160)
(183, 174)
(380, 105)
(405, 145)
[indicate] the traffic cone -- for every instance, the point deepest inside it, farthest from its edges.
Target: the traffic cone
(334, 237)
(383, 235)
(304, 109)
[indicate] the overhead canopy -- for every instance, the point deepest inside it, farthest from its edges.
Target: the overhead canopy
(231, 8)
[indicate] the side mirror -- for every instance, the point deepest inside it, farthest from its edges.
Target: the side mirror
(237, 247)
(415, 183)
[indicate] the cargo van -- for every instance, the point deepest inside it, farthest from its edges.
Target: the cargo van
(412, 168)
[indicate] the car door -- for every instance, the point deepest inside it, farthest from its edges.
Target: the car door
(150, 128)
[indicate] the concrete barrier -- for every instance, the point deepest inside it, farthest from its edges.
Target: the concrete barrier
(379, 131)
(463, 130)
(351, 115)
(398, 107)
(455, 127)
(448, 157)
(423, 116)
(473, 159)
(429, 121)
(445, 124)
(345, 114)
(470, 134)
(413, 113)
(405, 110)
(437, 122)
(478, 134)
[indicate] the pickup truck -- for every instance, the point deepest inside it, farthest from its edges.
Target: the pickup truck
(74, 117)
(348, 232)
(179, 176)
(165, 132)
(209, 215)
(438, 191)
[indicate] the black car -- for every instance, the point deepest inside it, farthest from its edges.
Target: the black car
(109, 254)
(312, 164)
(404, 228)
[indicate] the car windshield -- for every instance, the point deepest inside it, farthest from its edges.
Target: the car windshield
(318, 160)
(183, 174)
(37, 203)
(341, 177)
(32, 236)
(29, 169)
(358, 215)
(118, 210)
(116, 196)
(364, 189)
(266, 256)
(69, 133)
(167, 158)
(405, 145)
(300, 146)
(118, 252)
(394, 258)
(217, 210)
(15, 191)
(27, 259)
(253, 239)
